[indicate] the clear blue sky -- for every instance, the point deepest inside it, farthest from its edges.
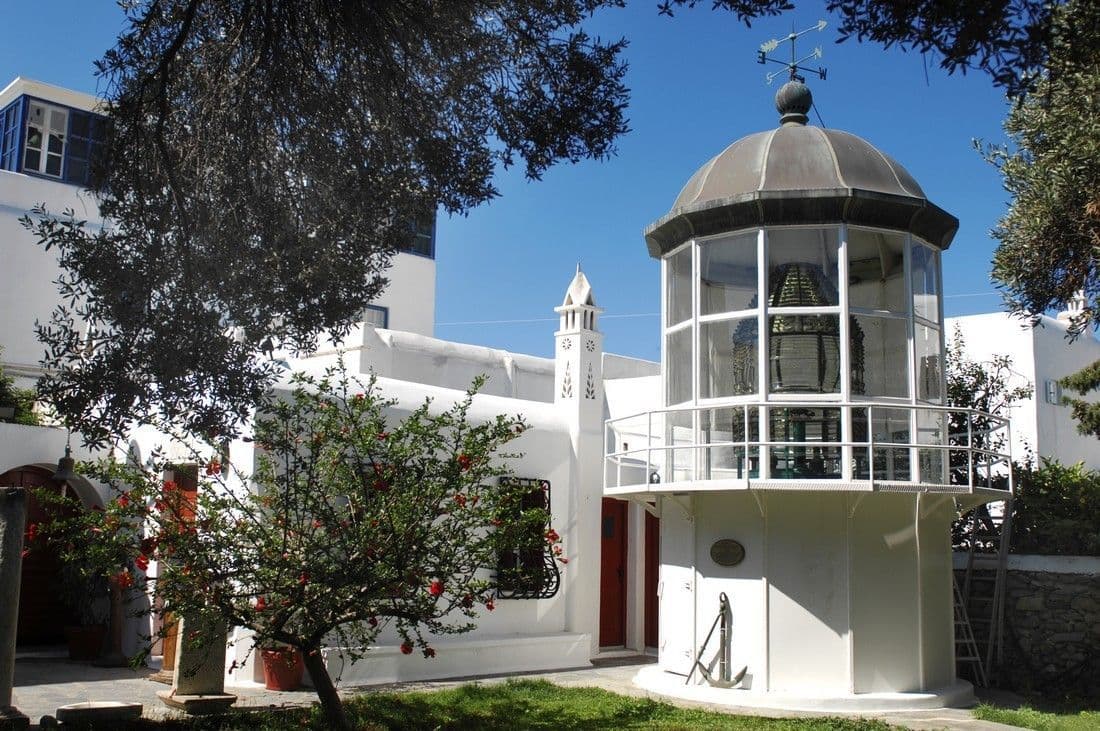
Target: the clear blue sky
(696, 87)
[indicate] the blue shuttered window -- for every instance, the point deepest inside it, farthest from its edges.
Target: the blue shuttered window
(87, 135)
(10, 125)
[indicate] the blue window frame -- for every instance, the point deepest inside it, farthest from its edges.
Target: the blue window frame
(59, 142)
(376, 316)
(423, 238)
(87, 137)
(9, 135)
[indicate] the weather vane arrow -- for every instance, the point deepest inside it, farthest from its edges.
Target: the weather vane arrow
(795, 64)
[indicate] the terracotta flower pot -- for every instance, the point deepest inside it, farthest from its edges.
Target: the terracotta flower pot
(283, 669)
(85, 643)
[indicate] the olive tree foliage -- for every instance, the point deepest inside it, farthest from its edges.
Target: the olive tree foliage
(265, 162)
(1049, 240)
(1009, 40)
(353, 525)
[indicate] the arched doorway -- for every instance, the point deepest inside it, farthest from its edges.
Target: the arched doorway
(42, 614)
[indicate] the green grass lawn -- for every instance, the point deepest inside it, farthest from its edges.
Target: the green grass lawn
(514, 705)
(1025, 717)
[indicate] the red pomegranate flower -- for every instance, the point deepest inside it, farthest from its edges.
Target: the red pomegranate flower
(123, 579)
(141, 562)
(489, 604)
(261, 604)
(552, 536)
(460, 499)
(429, 652)
(436, 588)
(123, 500)
(214, 467)
(464, 461)
(406, 648)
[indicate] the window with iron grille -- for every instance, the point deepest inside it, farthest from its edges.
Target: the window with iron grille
(529, 570)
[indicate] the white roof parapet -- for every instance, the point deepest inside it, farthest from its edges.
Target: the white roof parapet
(51, 93)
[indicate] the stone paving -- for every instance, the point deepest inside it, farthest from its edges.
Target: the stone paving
(42, 684)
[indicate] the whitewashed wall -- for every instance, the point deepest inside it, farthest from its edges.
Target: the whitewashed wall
(410, 296)
(27, 271)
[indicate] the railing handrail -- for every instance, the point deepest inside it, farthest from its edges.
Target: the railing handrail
(1003, 421)
(984, 461)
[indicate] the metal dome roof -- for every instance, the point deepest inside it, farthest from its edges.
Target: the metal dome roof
(798, 174)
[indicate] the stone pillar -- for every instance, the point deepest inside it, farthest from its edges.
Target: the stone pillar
(13, 509)
(198, 681)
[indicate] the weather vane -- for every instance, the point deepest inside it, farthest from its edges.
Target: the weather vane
(794, 65)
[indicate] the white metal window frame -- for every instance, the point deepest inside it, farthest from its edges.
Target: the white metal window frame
(47, 130)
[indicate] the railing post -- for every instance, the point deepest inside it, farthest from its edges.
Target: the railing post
(648, 445)
(745, 457)
(871, 445)
(969, 451)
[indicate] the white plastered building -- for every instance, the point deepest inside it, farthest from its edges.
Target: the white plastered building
(564, 399)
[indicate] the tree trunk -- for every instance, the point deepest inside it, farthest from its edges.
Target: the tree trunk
(335, 714)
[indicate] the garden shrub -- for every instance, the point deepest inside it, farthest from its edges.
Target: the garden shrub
(1057, 510)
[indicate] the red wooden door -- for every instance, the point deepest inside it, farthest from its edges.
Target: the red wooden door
(42, 616)
(613, 573)
(652, 569)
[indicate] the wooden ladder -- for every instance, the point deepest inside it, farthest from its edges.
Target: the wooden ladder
(983, 590)
(966, 649)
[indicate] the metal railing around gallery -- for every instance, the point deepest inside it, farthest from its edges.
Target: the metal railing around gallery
(809, 445)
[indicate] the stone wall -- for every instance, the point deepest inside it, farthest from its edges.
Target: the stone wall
(1052, 625)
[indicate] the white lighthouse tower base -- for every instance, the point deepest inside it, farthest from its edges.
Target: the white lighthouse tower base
(842, 600)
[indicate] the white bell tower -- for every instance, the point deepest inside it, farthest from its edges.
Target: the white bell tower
(579, 397)
(578, 370)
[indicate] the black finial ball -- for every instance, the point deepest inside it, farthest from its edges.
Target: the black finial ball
(793, 101)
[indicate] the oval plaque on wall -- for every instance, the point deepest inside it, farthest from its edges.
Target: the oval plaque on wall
(727, 552)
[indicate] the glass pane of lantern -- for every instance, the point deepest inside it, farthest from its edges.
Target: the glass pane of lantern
(679, 434)
(804, 353)
(926, 282)
(891, 425)
(678, 286)
(807, 428)
(727, 274)
(726, 429)
(879, 353)
(932, 430)
(728, 358)
(802, 267)
(929, 364)
(876, 271)
(887, 426)
(678, 362)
